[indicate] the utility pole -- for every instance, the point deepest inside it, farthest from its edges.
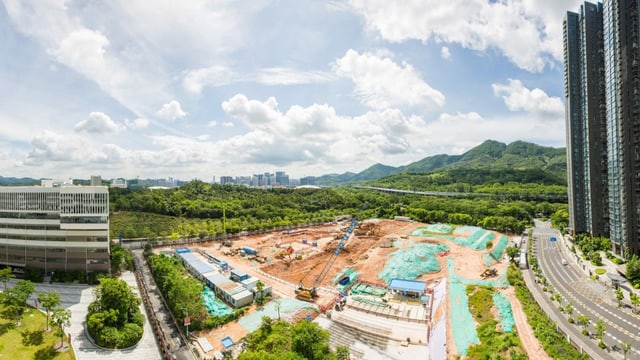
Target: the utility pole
(187, 321)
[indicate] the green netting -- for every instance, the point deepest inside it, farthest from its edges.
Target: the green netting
(440, 228)
(424, 232)
(504, 312)
(488, 259)
(214, 306)
(464, 328)
(463, 230)
(370, 302)
(412, 261)
(481, 243)
(365, 289)
(498, 249)
(352, 274)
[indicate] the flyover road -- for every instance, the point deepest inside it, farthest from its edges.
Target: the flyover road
(587, 296)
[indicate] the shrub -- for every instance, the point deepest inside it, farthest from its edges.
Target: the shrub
(601, 271)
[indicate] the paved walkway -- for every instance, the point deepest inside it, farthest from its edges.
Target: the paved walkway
(77, 299)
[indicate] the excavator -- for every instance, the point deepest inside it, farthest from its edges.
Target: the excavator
(310, 293)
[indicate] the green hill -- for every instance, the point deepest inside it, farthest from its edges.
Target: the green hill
(489, 162)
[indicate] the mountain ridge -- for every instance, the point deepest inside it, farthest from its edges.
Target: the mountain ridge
(490, 154)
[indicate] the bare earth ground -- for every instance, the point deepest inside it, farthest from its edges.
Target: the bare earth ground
(361, 253)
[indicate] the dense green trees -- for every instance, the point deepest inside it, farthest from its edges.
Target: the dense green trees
(633, 270)
(196, 209)
(278, 339)
(15, 299)
(114, 319)
(181, 291)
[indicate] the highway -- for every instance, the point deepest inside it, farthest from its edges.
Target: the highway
(587, 296)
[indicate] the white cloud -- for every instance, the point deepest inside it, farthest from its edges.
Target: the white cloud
(195, 80)
(171, 111)
(227, 124)
(381, 83)
(289, 76)
(445, 53)
(98, 123)
(139, 123)
(517, 98)
(84, 51)
(212, 123)
(252, 112)
(523, 30)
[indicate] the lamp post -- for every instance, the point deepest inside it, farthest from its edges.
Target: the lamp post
(187, 321)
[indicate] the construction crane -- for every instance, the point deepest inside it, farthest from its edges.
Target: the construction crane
(310, 293)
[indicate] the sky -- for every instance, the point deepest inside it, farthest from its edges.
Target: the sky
(197, 89)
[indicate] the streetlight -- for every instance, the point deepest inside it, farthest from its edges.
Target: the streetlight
(187, 321)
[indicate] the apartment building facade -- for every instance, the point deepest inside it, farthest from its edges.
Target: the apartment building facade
(53, 228)
(602, 93)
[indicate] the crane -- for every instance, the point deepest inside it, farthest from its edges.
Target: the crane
(310, 293)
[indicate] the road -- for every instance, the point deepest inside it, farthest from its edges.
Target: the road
(176, 342)
(587, 296)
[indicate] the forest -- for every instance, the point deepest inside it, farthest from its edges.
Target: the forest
(200, 209)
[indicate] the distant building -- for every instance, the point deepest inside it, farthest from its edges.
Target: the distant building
(282, 179)
(226, 180)
(119, 183)
(55, 227)
(308, 180)
(96, 180)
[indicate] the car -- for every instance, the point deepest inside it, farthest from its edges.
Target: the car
(564, 262)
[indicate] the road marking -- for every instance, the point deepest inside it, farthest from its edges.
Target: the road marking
(588, 308)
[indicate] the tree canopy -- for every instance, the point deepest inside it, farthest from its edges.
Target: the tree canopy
(114, 319)
(278, 339)
(196, 209)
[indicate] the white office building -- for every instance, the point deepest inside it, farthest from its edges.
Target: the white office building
(55, 227)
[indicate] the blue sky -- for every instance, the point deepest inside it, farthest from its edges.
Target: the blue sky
(196, 89)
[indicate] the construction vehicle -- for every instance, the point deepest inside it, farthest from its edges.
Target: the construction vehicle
(310, 293)
(489, 273)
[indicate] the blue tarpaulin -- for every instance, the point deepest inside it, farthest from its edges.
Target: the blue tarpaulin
(227, 343)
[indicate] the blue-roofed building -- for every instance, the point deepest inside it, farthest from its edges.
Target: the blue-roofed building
(198, 268)
(408, 288)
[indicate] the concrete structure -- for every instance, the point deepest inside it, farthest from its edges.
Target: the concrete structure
(53, 228)
(230, 291)
(237, 291)
(602, 76)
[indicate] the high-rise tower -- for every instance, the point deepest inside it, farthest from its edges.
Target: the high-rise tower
(602, 92)
(586, 121)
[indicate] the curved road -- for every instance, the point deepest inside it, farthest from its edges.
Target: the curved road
(587, 296)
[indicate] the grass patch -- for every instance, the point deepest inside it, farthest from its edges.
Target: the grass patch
(30, 341)
(494, 344)
(601, 271)
(553, 343)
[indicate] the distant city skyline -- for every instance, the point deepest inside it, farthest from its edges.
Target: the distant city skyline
(149, 89)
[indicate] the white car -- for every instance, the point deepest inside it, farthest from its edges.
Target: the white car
(564, 262)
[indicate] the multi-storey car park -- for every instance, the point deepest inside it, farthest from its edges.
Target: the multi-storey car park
(55, 227)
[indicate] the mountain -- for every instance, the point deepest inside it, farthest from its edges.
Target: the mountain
(13, 181)
(490, 156)
(373, 172)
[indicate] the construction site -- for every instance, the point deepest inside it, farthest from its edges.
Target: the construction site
(386, 289)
